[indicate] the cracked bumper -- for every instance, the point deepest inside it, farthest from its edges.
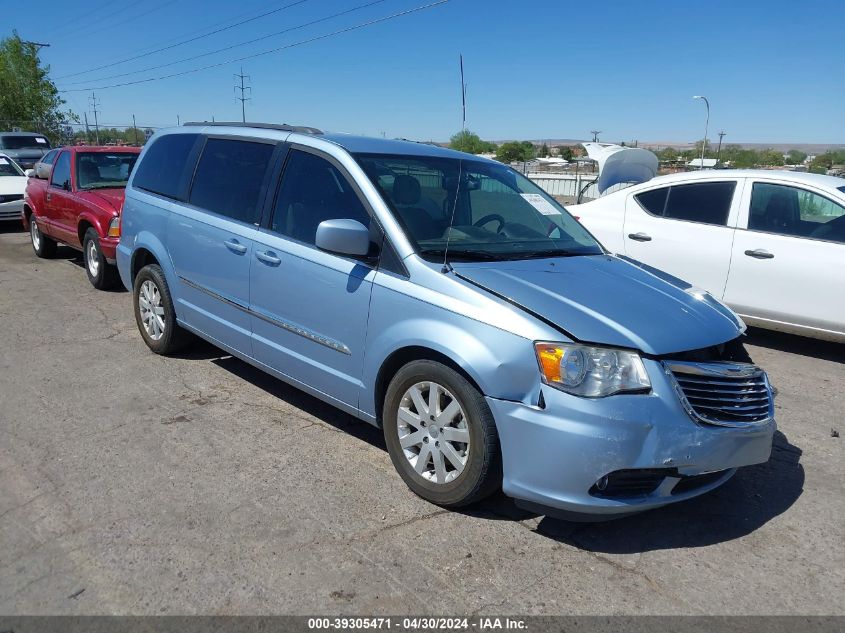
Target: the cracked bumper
(553, 456)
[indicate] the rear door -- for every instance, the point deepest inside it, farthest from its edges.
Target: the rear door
(685, 230)
(210, 238)
(310, 307)
(788, 255)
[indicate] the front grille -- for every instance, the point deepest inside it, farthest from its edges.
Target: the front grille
(10, 197)
(694, 482)
(724, 393)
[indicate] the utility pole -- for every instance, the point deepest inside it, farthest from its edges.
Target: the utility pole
(595, 134)
(244, 89)
(719, 151)
(87, 129)
(94, 103)
(134, 129)
(38, 45)
(178, 122)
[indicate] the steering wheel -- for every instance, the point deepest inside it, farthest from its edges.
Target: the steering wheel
(489, 217)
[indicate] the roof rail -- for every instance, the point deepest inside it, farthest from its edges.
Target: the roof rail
(302, 129)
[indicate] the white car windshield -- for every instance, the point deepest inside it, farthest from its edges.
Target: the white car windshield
(9, 168)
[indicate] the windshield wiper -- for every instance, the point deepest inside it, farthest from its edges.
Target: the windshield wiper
(112, 185)
(559, 252)
(468, 254)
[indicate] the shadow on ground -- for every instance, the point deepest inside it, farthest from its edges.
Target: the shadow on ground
(792, 344)
(11, 226)
(754, 496)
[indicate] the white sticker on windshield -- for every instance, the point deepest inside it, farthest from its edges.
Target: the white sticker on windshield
(43, 141)
(540, 203)
(4, 161)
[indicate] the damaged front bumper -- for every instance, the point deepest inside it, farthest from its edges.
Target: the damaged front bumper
(608, 457)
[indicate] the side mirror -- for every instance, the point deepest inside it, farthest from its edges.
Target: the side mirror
(344, 237)
(29, 173)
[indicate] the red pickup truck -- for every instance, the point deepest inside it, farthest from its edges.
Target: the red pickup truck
(78, 204)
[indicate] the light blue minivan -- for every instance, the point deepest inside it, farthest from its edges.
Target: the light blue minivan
(450, 301)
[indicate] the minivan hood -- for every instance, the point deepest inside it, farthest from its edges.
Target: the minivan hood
(108, 199)
(25, 153)
(606, 300)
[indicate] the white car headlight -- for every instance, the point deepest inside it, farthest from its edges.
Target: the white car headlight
(591, 372)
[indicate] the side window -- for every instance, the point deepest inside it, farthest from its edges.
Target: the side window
(61, 171)
(165, 166)
(653, 201)
(229, 176)
(49, 157)
(313, 190)
(792, 211)
(705, 202)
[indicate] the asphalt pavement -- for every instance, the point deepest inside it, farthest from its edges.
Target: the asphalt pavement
(136, 484)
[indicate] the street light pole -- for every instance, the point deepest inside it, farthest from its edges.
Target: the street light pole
(706, 125)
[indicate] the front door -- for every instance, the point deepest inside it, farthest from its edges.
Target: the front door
(310, 307)
(685, 230)
(210, 238)
(58, 201)
(787, 258)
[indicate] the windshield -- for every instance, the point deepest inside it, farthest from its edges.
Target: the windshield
(494, 212)
(24, 142)
(104, 170)
(9, 168)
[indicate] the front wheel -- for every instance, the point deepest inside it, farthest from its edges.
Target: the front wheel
(42, 245)
(441, 435)
(154, 312)
(100, 273)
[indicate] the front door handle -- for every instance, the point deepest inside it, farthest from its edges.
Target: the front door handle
(49, 196)
(235, 246)
(760, 253)
(640, 237)
(268, 257)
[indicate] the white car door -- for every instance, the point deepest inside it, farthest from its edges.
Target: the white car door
(685, 229)
(787, 268)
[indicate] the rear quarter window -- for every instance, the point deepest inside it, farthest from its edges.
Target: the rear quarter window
(653, 201)
(704, 202)
(167, 165)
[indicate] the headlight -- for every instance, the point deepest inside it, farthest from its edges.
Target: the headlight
(591, 372)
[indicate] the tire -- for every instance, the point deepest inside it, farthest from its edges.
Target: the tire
(100, 273)
(448, 486)
(43, 246)
(164, 335)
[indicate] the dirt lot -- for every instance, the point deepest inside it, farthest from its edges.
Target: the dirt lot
(131, 483)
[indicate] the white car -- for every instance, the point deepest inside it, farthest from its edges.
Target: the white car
(770, 244)
(12, 185)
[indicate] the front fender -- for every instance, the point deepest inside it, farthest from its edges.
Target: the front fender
(499, 362)
(95, 220)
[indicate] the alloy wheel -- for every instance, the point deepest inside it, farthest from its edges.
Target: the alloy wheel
(152, 310)
(433, 432)
(34, 234)
(93, 259)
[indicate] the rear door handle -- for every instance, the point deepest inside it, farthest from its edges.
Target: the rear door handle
(49, 196)
(640, 237)
(235, 246)
(268, 257)
(760, 253)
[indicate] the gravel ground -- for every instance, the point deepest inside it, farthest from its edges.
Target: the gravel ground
(135, 484)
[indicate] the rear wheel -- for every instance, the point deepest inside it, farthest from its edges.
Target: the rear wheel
(441, 435)
(42, 245)
(100, 273)
(154, 312)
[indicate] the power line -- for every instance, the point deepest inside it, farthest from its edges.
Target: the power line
(267, 52)
(193, 39)
(227, 48)
(100, 19)
(244, 89)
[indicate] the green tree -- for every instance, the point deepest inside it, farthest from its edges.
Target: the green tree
(513, 151)
(544, 151)
(796, 157)
(565, 152)
(771, 158)
(466, 141)
(28, 98)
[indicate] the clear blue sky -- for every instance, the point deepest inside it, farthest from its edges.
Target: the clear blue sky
(546, 69)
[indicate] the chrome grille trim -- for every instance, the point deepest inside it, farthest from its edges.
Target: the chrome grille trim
(722, 393)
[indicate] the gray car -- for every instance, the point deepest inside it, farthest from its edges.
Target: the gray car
(448, 300)
(26, 148)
